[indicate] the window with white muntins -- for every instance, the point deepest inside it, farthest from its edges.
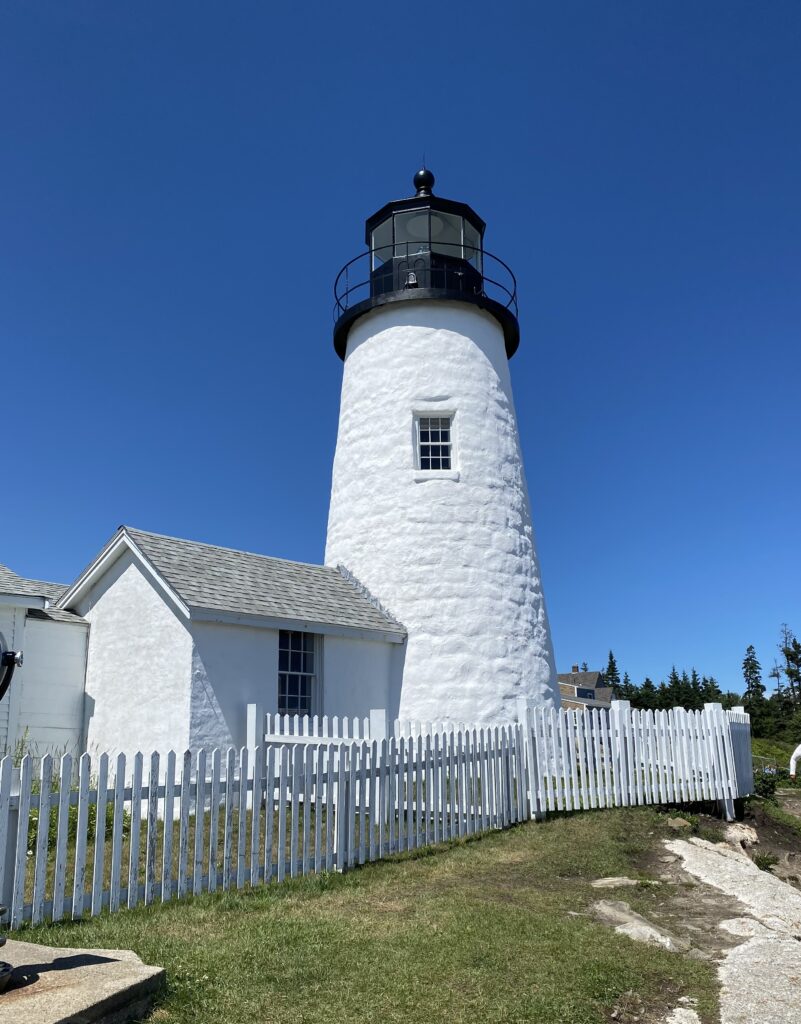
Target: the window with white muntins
(434, 443)
(297, 673)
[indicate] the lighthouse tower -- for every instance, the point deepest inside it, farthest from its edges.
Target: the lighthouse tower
(429, 504)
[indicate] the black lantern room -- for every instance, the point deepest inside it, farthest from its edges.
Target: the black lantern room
(425, 247)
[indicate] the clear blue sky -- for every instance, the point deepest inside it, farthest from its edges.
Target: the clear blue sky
(180, 183)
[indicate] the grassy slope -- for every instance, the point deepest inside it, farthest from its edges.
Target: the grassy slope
(480, 931)
(776, 750)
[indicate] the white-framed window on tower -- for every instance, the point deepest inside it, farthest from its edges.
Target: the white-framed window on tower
(434, 443)
(298, 673)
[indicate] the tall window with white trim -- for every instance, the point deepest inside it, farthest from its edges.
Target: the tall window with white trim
(434, 444)
(297, 673)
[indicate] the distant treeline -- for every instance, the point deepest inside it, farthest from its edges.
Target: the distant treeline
(775, 716)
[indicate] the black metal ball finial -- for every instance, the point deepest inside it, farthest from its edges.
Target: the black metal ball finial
(424, 182)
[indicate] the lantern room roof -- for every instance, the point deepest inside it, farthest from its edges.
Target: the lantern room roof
(423, 198)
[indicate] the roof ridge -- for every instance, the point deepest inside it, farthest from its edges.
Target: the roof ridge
(223, 547)
(357, 584)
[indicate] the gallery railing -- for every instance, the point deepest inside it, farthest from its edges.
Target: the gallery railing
(439, 266)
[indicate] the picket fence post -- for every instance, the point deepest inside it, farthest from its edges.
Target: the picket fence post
(255, 726)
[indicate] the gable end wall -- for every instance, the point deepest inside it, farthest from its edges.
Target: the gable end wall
(139, 664)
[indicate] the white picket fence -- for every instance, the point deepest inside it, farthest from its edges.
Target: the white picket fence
(280, 729)
(220, 821)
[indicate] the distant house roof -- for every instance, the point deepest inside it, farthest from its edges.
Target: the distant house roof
(11, 584)
(240, 585)
(586, 680)
(583, 689)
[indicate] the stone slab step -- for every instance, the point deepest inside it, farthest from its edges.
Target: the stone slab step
(76, 986)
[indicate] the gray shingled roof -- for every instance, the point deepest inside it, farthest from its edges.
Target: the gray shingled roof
(586, 680)
(222, 579)
(11, 583)
(52, 614)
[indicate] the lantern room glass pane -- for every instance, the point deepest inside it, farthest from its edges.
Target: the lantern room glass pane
(472, 245)
(446, 233)
(381, 243)
(411, 232)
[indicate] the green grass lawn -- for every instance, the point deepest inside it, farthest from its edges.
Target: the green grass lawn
(493, 929)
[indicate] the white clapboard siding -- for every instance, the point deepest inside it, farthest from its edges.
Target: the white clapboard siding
(340, 801)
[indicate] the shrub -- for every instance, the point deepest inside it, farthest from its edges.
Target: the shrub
(765, 782)
(72, 824)
(765, 861)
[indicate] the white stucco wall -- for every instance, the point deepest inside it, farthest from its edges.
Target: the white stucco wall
(12, 626)
(453, 559)
(357, 676)
(50, 687)
(232, 666)
(138, 665)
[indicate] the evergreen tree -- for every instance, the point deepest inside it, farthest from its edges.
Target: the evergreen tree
(584, 667)
(686, 696)
(752, 674)
(612, 675)
(672, 693)
(791, 652)
(627, 691)
(711, 692)
(647, 695)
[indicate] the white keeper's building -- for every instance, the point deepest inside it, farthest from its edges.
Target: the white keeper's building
(430, 603)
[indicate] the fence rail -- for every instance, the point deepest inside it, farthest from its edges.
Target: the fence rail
(80, 837)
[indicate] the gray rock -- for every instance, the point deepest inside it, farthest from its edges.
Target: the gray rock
(742, 836)
(626, 921)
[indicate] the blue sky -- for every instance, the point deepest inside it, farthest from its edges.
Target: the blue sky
(181, 182)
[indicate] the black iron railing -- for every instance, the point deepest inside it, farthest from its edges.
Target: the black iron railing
(439, 266)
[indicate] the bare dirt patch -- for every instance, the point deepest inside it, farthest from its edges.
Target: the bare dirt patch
(790, 800)
(779, 842)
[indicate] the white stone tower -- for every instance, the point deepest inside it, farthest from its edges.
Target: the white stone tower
(429, 503)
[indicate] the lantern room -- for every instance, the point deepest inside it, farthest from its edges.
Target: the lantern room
(425, 247)
(423, 226)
